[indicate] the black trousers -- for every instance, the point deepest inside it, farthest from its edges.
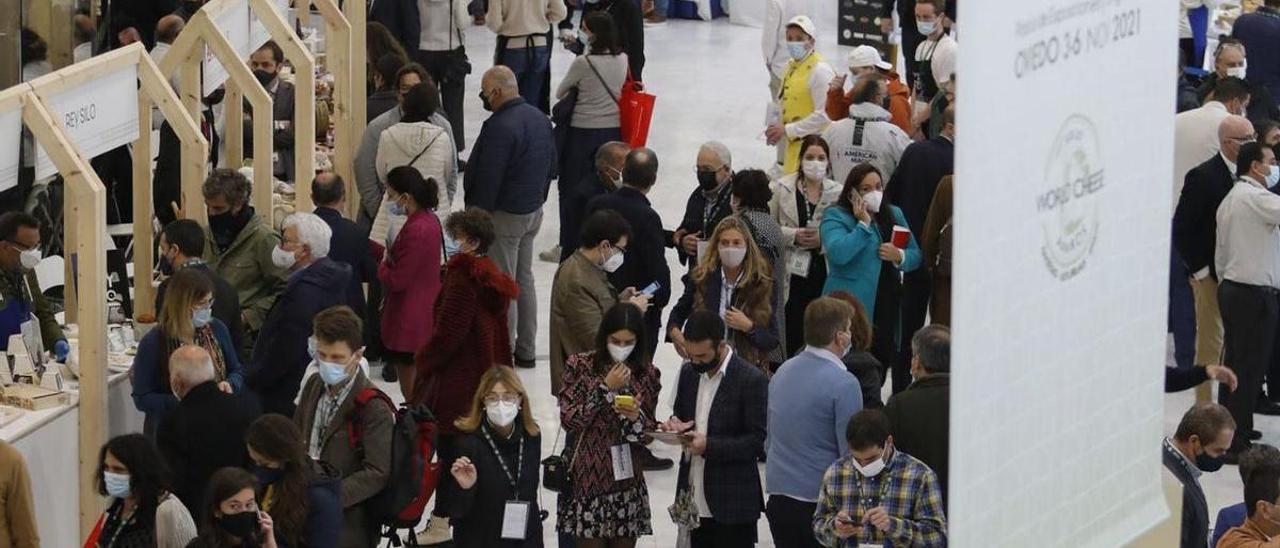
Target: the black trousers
(713, 534)
(1250, 315)
(916, 287)
(447, 488)
(791, 522)
(451, 89)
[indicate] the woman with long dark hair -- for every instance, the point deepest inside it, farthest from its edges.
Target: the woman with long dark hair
(857, 235)
(597, 77)
(143, 510)
(603, 406)
(302, 495)
(232, 517)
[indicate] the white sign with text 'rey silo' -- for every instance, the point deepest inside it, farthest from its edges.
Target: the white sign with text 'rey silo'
(1065, 144)
(97, 115)
(10, 147)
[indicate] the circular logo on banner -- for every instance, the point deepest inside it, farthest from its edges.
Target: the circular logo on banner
(1069, 204)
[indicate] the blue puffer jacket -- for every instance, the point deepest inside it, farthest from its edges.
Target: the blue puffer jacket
(853, 257)
(512, 161)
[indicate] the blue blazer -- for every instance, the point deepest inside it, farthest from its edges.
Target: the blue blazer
(853, 256)
(152, 395)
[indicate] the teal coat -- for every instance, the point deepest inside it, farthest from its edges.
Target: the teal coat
(852, 250)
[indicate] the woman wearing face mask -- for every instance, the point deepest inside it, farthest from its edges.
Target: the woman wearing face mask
(187, 318)
(143, 511)
(470, 337)
(602, 407)
(857, 235)
(497, 464)
(410, 272)
(596, 77)
(750, 197)
(802, 98)
(232, 517)
(859, 360)
(302, 495)
(798, 203)
(734, 280)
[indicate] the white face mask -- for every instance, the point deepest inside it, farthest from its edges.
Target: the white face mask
(282, 259)
(870, 470)
(614, 262)
(814, 170)
(926, 27)
(873, 200)
(1273, 176)
(732, 257)
(620, 353)
(30, 258)
(797, 50)
(1238, 72)
(501, 413)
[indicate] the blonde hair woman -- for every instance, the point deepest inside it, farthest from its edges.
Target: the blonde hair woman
(186, 319)
(734, 280)
(496, 462)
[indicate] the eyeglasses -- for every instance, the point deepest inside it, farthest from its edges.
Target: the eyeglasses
(504, 398)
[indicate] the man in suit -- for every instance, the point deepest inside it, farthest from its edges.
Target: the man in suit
(349, 245)
(1195, 229)
(721, 409)
(920, 415)
(1195, 132)
(266, 64)
(911, 188)
(206, 431)
(611, 158)
(1199, 445)
(181, 246)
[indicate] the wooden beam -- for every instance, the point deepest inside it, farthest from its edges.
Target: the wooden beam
(304, 123)
(233, 109)
(193, 174)
(85, 211)
(80, 73)
(338, 56)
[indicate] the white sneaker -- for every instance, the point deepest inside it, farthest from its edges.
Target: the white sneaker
(436, 532)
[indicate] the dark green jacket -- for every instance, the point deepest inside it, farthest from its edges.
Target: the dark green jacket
(247, 266)
(50, 331)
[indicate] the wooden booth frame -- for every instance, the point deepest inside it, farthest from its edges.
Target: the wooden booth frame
(348, 98)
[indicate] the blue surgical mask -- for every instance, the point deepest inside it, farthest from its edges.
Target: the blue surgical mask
(331, 373)
(926, 27)
(117, 484)
(201, 317)
(1273, 176)
(584, 37)
(395, 208)
(797, 50)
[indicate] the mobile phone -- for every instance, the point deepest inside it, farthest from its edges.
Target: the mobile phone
(845, 520)
(651, 289)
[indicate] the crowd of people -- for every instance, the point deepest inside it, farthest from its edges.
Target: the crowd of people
(808, 289)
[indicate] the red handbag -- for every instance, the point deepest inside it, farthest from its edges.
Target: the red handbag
(635, 110)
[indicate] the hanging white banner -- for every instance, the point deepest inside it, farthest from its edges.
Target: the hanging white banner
(97, 115)
(234, 24)
(258, 33)
(10, 145)
(1061, 271)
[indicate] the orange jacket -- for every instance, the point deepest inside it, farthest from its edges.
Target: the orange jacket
(1248, 535)
(838, 103)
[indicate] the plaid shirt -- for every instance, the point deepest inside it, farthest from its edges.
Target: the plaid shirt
(906, 488)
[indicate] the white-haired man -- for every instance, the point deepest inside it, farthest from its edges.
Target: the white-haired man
(708, 204)
(315, 281)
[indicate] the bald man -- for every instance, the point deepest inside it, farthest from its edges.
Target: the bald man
(511, 166)
(1195, 231)
(348, 245)
(206, 431)
(574, 196)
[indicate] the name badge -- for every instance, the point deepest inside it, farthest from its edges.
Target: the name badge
(515, 520)
(702, 249)
(870, 545)
(623, 469)
(799, 263)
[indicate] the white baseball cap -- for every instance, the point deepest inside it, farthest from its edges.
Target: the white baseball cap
(805, 24)
(867, 56)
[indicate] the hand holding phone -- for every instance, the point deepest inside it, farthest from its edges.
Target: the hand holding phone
(651, 289)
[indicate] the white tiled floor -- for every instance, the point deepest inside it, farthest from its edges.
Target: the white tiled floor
(711, 84)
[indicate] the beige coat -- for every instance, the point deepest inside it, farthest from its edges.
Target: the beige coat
(783, 209)
(399, 145)
(580, 295)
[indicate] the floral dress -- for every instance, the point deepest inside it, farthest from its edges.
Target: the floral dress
(598, 506)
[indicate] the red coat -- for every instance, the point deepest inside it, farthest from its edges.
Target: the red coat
(470, 337)
(411, 282)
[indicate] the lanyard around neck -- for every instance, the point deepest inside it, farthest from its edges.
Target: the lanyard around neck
(513, 479)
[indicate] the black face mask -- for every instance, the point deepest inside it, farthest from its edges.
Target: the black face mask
(166, 265)
(267, 476)
(243, 525)
(226, 226)
(707, 180)
(484, 101)
(702, 368)
(264, 77)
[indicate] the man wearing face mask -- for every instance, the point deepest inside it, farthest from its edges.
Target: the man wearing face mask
(935, 57)
(221, 419)
(799, 110)
(611, 157)
(1230, 62)
(265, 64)
(1198, 446)
(911, 35)
(707, 205)
(1247, 259)
(878, 494)
(920, 415)
(721, 411)
(241, 245)
(181, 246)
(811, 399)
(316, 282)
(867, 134)
(22, 301)
(581, 292)
(328, 416)
(865, 61)
(1195, 132)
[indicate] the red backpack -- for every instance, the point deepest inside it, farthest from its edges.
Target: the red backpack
(412, 479)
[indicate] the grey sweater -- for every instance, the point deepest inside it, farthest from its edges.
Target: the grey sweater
(597, 106)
